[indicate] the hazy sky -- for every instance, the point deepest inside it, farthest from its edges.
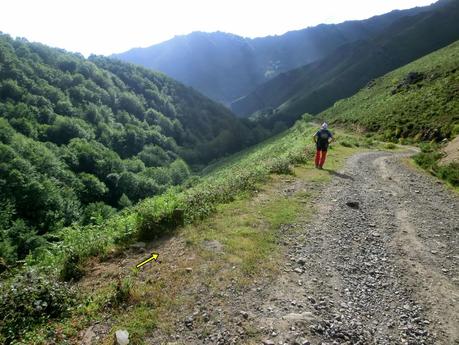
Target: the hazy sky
(111, 26)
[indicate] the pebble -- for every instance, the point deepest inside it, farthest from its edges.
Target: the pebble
(122, 337)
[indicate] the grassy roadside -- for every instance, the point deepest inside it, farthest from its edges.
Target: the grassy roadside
(412, 164)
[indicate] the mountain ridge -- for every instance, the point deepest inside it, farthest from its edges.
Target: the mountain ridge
(226, 67)
(314, 87)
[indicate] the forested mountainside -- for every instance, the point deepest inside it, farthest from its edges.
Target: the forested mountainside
(226, 67)
(418, 101)
(80, 138)
(315, 87)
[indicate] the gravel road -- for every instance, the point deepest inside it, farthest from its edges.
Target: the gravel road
(377, 264)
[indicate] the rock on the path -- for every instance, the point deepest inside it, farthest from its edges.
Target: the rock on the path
(268, 342)
(122, 337)
(244, 314)
(353, 204)
(301, 261)
(301, 341)
(295, 317)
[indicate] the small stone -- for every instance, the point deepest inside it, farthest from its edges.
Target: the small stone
(301, 341)
(301, 261)
(268, 342)
(189, 269)
(353, 204)
(122, 337)
(298, 270)
(244, 314)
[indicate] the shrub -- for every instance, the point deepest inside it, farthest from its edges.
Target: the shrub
(390, 146)
(281, 166)
(369, 142)
(158, 216)
(300, 157)
(30, 299)
(72, 269)
(97, 213)
(449, 173)
(426, 160)
(122, 292)
(345, 143)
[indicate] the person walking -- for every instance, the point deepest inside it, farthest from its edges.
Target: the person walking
(323, 137)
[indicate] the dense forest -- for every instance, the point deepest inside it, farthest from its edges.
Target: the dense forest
(81, 138)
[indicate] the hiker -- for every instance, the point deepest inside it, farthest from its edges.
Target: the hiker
(322, 138)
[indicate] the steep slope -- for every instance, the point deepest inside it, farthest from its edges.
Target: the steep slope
(226, 67)
(419, 100)
(79, 137)
(315, 87)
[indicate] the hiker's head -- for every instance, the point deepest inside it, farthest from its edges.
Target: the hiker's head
(324, 125)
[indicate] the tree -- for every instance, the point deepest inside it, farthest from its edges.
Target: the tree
(9, 89)
(132, 105)
(66, 128)
(92, 188)
(153, 156)
(124, 201)
(179, 171)
(6, 132)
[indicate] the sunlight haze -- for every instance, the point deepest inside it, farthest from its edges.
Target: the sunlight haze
(106, 27)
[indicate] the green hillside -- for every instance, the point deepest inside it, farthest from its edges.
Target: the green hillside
(315, 87)
(80, 138)
(418, 101)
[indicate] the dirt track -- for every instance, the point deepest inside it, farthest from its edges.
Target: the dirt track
(377, 265)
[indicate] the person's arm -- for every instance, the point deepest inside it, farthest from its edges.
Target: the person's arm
(331, 138)
(314, 137)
